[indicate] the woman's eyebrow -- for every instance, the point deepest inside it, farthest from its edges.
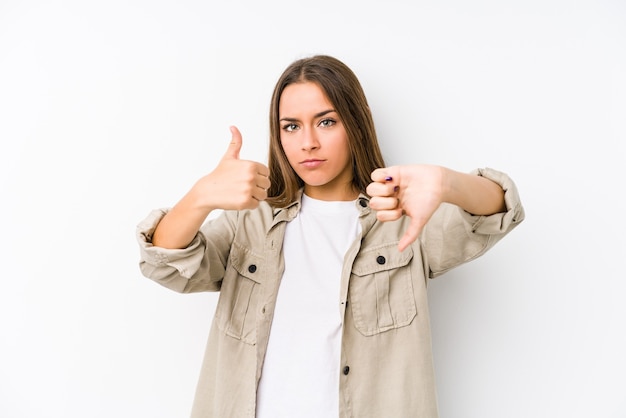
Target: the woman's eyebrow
(317, 115)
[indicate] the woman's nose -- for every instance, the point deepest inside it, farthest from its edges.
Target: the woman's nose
(309, 140)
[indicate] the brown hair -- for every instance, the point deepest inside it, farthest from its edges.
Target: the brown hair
(343, 90)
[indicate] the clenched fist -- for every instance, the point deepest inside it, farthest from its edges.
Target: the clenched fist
(414, 190)
(234, 184)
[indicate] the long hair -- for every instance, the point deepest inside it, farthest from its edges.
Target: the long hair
(344, 91)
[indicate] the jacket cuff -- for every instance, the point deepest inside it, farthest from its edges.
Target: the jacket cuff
(185, 261)
(503, 222)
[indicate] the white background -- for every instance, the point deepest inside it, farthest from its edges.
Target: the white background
(110, 109)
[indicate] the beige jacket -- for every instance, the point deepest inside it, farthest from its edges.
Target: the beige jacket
(386, 358)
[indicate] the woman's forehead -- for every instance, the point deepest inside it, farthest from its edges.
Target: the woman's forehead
(303, 98)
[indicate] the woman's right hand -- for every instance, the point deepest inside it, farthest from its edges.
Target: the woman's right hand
(234, 184)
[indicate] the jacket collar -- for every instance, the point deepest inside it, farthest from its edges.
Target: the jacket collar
(290, 211)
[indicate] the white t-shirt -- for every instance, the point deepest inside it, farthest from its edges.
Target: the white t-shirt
(301, 370)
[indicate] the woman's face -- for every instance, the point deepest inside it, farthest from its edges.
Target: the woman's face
(315, 142)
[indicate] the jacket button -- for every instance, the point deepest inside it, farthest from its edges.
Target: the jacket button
(346, 370)
(252, 268)
(363, 203)
(380, 259)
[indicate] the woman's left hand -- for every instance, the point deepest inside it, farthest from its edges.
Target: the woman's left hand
(414, 190)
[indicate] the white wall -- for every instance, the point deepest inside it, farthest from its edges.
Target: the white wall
(110, 109)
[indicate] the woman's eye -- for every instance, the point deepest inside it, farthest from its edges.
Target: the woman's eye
(327, 122)
(290, 127)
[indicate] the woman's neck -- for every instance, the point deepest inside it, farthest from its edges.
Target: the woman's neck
(334, 194)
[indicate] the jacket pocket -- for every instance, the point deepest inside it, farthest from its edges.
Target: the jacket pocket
(236, 309)
(381, 289)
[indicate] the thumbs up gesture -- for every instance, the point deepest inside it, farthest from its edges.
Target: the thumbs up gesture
(234, 184)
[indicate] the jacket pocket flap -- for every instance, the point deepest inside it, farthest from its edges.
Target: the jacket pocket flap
(246, 263)
(381, 258)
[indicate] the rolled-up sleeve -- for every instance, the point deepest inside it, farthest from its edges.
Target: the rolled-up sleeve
(198, 267)
(453, 236)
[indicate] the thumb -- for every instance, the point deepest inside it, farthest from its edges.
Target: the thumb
(410, 235)
(235, 145)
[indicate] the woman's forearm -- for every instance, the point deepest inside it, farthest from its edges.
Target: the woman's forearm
(474, 194)
(181, 224)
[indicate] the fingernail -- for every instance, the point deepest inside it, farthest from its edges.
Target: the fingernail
(395, 189)
(388, 178)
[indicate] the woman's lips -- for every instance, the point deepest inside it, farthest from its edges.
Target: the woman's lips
(311, 163)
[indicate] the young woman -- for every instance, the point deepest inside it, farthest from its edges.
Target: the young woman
(322, 259)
